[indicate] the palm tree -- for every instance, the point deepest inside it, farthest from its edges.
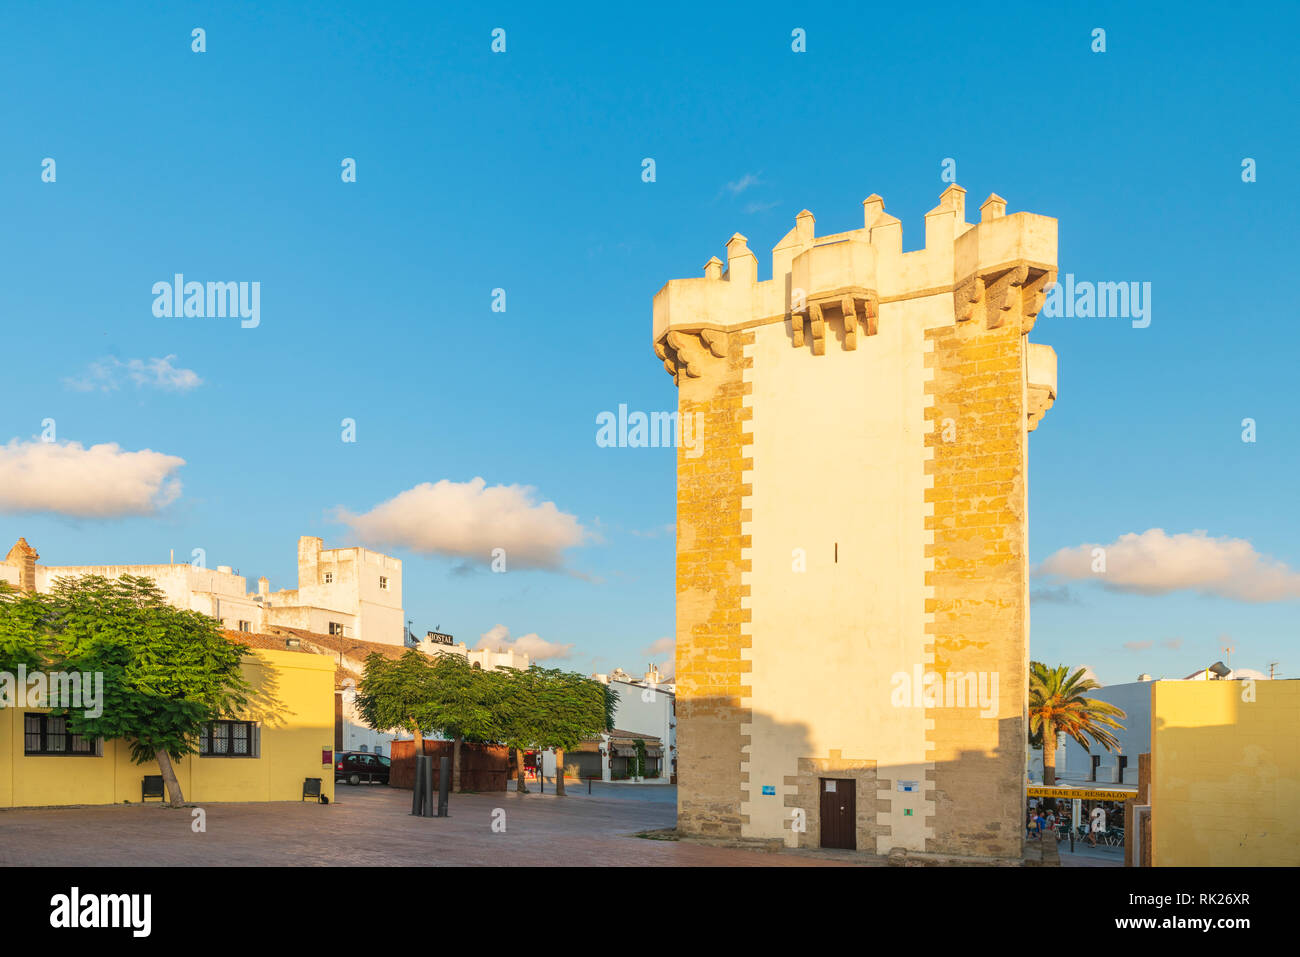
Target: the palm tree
(1057, 703)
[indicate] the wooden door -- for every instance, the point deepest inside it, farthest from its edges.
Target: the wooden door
(839, 813)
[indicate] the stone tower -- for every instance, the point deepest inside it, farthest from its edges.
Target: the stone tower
(852, 580)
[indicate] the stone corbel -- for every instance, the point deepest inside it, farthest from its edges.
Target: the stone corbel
(966, 297)
(716, 340)
(849, 308)
(860, 315)
(1033, 294)
(818, 325)
(797, 320)
(1004, 294)
(678, 342)
(870, 314)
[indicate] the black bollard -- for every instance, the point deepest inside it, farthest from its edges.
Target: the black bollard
(417, 786)
(428, 785)
(444, 785)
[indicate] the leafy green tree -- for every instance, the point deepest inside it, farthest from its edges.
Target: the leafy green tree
(399, 695)
(167, 672)
(569, 709)
(25, 636)
(519, 716)
(466, 706)
(1057, 704)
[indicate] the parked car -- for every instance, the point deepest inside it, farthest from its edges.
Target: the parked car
(357, 766)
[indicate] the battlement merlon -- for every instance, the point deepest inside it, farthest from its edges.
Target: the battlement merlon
(994, 271)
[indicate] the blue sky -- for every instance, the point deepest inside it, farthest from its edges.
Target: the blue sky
(522, 171)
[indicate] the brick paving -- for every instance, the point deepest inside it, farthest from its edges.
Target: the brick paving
(372, 825)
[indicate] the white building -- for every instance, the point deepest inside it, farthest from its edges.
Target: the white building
(354, 592)
(646, 706)
(434, 643)
(351, 592)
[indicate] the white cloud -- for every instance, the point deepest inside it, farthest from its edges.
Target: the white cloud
(497, 638)
(469, 520)
(660, 646)
(109, 373)
(103, 481)
(1155, 563)
(742, 184)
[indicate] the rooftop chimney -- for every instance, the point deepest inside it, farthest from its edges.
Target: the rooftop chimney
(24, 556)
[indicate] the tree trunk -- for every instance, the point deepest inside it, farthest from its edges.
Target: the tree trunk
(419, 742)
(455, 762)
(1049, 756)
(559, 772)
(519, 771)
(174, 795)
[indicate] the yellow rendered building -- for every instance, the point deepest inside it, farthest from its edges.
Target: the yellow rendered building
(1225, 773)
(285, 736)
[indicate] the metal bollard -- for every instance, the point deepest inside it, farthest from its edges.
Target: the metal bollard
(416, 787)
(428, 786)
(444, 785)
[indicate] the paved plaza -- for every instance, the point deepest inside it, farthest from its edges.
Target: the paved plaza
(372, 825)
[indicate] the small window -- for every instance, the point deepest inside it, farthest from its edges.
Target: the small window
(48, 734)
(329, 578)
(336, 628)
(383, 582)
(245, 625)
(230, 739)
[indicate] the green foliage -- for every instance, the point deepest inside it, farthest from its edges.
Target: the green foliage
(569, 708)
(518, 712)
(25, 635)
(166, 671)
(398, 695)
(466, 701)
(1057, 703)
(637, 763)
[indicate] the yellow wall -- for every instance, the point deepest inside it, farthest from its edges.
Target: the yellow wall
(1225, 773)
(292, 698)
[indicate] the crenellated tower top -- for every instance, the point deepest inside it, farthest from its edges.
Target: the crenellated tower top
(982, 265)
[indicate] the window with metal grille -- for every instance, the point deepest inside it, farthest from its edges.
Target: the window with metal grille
(49, 734)
(383, 582)
(230, 739)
